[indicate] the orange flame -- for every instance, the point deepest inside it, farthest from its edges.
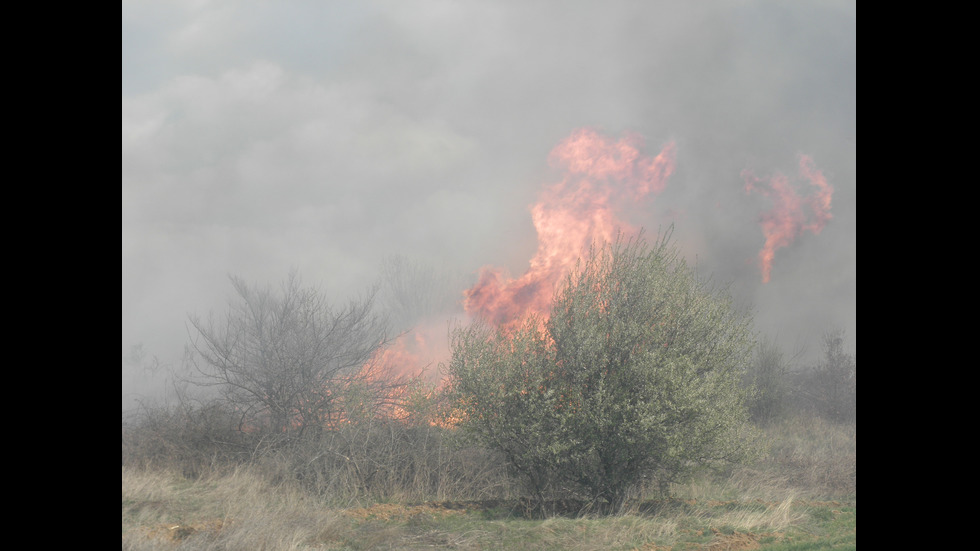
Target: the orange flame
(787, 219)
(599, 175)
(416, 353)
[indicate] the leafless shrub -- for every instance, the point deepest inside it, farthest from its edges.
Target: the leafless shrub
(829, 388)
(290, 362)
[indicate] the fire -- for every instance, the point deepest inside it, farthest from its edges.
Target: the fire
(411, 362)
(416, 353)
(402, 358)
(788, 218)
(600, 175)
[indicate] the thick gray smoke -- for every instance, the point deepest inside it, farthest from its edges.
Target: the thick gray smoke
(327, 137)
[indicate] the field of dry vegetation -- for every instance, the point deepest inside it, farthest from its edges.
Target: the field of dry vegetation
(392, 490)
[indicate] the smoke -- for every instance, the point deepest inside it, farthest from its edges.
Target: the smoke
(326, 136)
(598, 177)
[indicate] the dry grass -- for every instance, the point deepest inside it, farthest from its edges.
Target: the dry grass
(808, 460)
(255, 508)
(235, 510)
(815, 458)
(772, 517)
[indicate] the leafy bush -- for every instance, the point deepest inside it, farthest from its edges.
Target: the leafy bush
(633, 380)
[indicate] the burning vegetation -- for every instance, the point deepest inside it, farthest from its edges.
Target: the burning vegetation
(632, 380)
(607, 367)
(600, 175)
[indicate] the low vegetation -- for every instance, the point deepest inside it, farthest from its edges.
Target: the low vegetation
(637, 416)
(799, 495)
(631, 383)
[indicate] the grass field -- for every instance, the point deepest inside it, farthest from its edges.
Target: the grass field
(800, 496)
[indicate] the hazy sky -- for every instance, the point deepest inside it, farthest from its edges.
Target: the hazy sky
(264, 136)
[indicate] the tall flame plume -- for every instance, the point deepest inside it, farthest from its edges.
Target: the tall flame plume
(600, 176)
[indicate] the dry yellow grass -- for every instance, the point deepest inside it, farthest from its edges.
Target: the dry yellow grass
(235, 510)
(811, 465)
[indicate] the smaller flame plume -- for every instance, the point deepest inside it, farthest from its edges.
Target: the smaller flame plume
(788, 218)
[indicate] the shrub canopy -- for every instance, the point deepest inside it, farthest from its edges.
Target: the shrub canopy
(633, 379)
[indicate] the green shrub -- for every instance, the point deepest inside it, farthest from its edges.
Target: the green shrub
(634, 380)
